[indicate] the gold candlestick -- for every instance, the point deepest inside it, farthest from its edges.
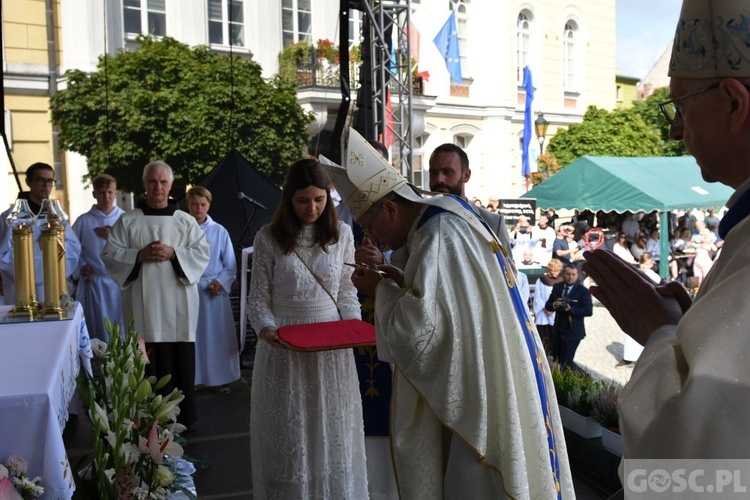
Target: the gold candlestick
(20, 221)
(63, 273)
(50, 261)
(23, 263)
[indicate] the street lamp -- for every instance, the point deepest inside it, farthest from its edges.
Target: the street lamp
(540, 126)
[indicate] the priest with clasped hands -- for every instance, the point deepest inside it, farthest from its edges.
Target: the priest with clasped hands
(157, 254)
(689, 395)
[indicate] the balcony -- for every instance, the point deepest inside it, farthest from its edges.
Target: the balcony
(317, 71)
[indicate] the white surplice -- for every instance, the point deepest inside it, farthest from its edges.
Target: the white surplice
(463, 373)
(217, 357)
(165, 306)
(306, 427)
(72, 253)
(98, 294)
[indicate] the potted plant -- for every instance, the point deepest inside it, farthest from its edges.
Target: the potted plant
(294, 63)
(575, 391)
(605, 412)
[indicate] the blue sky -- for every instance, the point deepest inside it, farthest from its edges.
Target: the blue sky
(644, 28)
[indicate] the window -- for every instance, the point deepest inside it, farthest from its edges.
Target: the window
(569, 56)
(421, 176)
(462, 141)
(226, 22)
(459, 6)
(145, 16)
(296, 21)
(619, 93)
(523, 43)
(356, 20)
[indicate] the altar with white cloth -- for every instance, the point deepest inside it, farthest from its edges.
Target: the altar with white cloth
(39, 362)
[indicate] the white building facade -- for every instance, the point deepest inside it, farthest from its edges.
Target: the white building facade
(568, 44)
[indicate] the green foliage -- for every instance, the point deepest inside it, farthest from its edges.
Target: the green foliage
(290, 59)
(574, 389)
(186, 106)
(605, 133)
(133, 426)
(649, 111)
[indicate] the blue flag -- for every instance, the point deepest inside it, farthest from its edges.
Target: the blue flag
(528, 124)
(447, 43)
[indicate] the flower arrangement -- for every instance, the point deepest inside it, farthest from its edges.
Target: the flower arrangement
(325, 49)
(135, 455)
(15, 484)
(604, 405)
(547, 166)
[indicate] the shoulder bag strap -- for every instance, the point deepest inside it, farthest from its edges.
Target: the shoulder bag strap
(319, 280)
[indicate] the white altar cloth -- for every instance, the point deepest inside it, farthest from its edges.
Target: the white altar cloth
(39, 363)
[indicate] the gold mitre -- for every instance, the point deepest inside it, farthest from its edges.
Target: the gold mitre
(711, 40)
(365, 176)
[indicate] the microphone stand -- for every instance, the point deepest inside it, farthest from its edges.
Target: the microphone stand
(245, 230)
(238, 254)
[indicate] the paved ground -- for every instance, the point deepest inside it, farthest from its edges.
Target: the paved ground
(220, 442)
(601, 350)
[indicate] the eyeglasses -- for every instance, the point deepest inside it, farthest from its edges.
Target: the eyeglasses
(366, 227)
(671, 110)
(42, 180)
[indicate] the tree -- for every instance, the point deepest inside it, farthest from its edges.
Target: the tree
(186, 106)
(651, 114)
(606, 133)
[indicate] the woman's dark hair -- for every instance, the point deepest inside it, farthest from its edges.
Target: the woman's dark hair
(285, 225)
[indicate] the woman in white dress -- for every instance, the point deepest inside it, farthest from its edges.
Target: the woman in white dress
(306, 428)
(621, 249)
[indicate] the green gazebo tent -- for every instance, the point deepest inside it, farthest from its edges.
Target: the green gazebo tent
(634, 184)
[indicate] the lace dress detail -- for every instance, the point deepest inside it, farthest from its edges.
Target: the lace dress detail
(306, 428)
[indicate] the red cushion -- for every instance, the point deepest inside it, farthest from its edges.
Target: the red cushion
(327, 336)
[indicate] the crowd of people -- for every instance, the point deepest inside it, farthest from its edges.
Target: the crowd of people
(694, 241)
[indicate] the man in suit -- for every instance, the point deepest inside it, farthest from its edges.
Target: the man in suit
(572, 302)
(449, 172)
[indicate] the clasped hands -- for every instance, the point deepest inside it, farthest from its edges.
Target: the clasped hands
(102, 231)
(155, 251)
(637, 304)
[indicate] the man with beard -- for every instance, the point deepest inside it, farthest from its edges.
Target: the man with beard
(449, 171)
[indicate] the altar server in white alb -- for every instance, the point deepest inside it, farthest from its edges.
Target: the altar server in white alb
(157, 254)
(217, 357)
(473, 412)
(689, 395)
(40, 177)
(98, 294)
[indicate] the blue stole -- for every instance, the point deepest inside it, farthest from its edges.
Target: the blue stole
(735, 215)
(528, 333)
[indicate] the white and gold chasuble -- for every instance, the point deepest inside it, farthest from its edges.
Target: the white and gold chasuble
(463, 363)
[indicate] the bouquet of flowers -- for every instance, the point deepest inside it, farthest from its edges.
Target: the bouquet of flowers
(15, 484)
(136, 456)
